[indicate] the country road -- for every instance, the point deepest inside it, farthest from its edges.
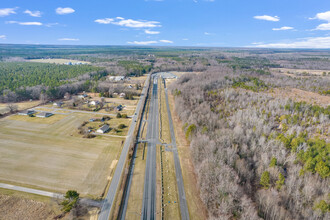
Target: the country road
(84, 201)
(115, 182)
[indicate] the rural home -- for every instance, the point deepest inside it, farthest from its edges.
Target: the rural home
(82, 96)
(103, 129)
(122, 95)
(44, 114)
(94, 102)
(26, 112)
(116, 78)
(58, 104)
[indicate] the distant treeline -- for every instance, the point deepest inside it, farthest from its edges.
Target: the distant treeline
(21, 81)
(14, 75)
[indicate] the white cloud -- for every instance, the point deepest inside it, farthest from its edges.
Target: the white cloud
(51, 24)
(151, 32)
(323, 27)
(207, 33)
(104, 20)
(325, 16)
(285, 28)
(2, 37)
(166, 41)
(64, 11)
(68, 39)
(129, 22)
(7, 11)
(142, 42)
(33, 13)
(27, 23)
(185, 39)
(312, 42)
(267, 18)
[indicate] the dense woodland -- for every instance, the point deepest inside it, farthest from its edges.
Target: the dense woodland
(256, 156)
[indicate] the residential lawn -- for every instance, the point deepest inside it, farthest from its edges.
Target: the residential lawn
(113, 123)
(53, 157)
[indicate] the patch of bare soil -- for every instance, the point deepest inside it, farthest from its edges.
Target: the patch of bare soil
(301, 95)
(12, 207)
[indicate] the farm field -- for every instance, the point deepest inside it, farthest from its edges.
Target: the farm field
(20, 105)
(54, 157)
(56, 61)
(289, 72)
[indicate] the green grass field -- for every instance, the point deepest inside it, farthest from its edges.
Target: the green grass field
(52, 156)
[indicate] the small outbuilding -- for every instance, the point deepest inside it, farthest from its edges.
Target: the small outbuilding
(122, 95)
(119, 108)
(44, 114)
(27, 112)
(58, 104)
(103, 129)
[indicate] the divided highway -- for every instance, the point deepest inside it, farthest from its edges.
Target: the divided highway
(149, 194)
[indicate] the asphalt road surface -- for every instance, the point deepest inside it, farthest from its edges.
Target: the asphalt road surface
(114, 186)
(85, 201)
(178, 172)
(149, 194)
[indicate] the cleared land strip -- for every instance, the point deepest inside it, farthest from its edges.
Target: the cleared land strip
(85, 201)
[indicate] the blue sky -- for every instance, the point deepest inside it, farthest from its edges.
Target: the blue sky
(214, 23)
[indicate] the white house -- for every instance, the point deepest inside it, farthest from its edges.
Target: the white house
(122, 95)
(116, 78)
(94, 102)
(82, 96)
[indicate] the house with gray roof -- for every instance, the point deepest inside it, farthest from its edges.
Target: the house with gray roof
(103, 129)
(44, 114)
(27, 112)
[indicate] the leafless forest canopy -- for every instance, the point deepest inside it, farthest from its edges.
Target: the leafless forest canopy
(257, 156)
